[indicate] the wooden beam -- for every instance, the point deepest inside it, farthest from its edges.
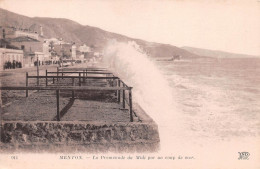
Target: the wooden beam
(83, 70)
(131, 106)
(123, 97)
(64, 88)
(46, 80)
(88, 77)
(79, 78)
(73, 84)
(58, 104)
(26, 83)
(118, 94)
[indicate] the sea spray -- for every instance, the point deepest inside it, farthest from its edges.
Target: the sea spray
(150, 89)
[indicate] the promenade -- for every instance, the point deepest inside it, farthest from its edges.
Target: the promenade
(41, 105)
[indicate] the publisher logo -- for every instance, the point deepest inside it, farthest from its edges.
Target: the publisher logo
(243, 155)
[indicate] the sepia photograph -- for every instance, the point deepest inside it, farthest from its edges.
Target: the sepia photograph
(130, 84)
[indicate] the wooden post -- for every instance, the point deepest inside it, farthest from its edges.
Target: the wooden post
(62, 71)
(46, 77)
(1, 103)
(62, 62)
(58, 104)
(57, 73)
(130, 105)
(116, 85)
(112, 81)
(119, 92)
(84, 76)
(1, 119)
(124, 97)
(26, 83)
(73, 84)
(79, 78)
(37, 71)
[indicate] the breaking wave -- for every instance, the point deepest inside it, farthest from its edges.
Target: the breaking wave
(150, 88)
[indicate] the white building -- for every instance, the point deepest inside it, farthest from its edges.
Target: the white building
(10, 55)
(28, 34)
(96, 54)
(81, 57)
(56, 41)
(84, 48)
(40, 56)
(46, 49)
(73, 51)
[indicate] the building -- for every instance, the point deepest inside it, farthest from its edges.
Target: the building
(19, 33)
(96, 54)
(40, 56)
(53, 46)
(46, 49)
(6, 32)
(63, 51)
(10, 56)
(55, 41)
(28, 45)
(73, 51)
(13, 32)
(37, 56)
(84, 48)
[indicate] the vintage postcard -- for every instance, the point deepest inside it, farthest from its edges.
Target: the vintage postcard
(130, 84)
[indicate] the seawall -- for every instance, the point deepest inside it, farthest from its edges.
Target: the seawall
(81, 136)
(78, 136)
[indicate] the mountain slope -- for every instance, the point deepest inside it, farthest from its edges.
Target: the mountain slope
(216, 53)
(72, 31)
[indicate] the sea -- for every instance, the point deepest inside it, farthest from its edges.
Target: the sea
(204, 107)
(218, 98)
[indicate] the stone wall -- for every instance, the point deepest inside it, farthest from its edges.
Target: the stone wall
(79, 136)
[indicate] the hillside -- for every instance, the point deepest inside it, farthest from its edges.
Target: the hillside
(72, 31)
(216, 53)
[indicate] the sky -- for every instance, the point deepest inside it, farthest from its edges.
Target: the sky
(227, 25)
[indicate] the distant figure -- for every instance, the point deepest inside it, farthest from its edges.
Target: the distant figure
(13, 64)
(9, 65)
(6, 65)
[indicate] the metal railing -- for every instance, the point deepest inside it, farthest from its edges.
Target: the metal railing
(117, 88)
(73, 88)
(81, 69)
(57, 77)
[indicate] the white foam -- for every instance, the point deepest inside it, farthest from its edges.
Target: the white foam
(150, 88)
